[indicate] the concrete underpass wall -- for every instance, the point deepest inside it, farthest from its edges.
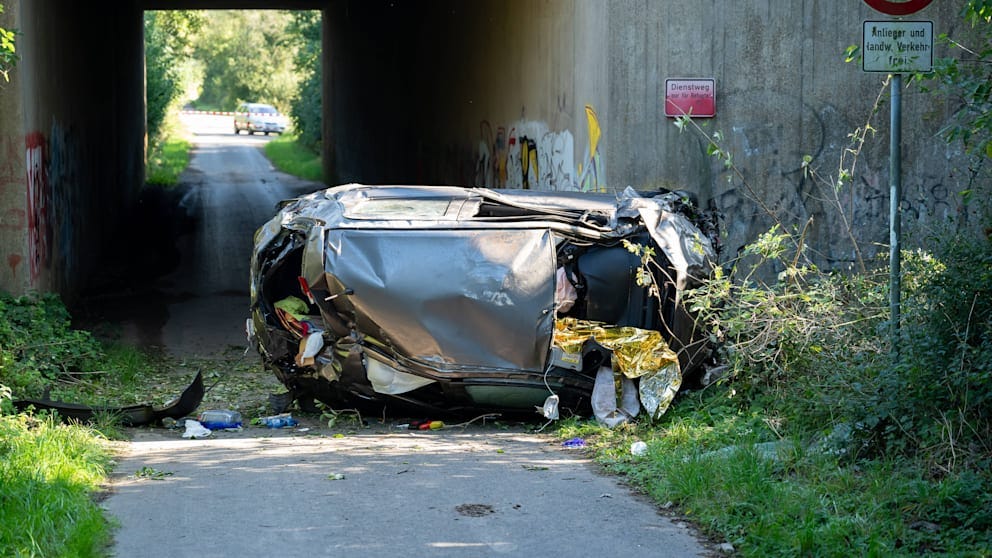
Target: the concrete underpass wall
(72, 141)
(570, 95)
(783, 92)
(447, 92)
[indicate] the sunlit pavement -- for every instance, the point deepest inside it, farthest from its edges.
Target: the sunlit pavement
(383, 491)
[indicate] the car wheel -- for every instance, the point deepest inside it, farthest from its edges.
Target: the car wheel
(251, 132)
(266, 133)
(236, 130)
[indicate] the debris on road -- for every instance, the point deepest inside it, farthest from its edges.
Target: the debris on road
(574, 443)
(196, 430)
(220, 419)
(132, 415)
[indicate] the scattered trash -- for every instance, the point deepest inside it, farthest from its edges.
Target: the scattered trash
(335, 476)
(220, 420)
(604, 398)
(535, 467)
(574, 443)
(550, 407)
(195, 430)
(425, 425)
(638, 448)
(279, 421)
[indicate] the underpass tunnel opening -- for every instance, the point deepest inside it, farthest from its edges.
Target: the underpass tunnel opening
(371, 84)
(260, 70)
(213, 62)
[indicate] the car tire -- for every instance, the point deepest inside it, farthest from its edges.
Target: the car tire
(266, 133)
(251, 132)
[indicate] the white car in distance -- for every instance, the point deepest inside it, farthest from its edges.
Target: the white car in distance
(258, 117)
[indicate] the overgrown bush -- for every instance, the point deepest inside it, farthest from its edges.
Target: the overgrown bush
(936, 398)
(817, 347)
(38, 344)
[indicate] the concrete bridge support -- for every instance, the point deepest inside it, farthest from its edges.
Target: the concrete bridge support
(71, 139)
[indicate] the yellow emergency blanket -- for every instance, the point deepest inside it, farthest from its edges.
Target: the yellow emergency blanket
(637, 353)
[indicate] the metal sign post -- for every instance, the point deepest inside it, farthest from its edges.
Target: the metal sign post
(896, 47)
(895, 218)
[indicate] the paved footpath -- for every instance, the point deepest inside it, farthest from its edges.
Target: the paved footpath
(381, 491)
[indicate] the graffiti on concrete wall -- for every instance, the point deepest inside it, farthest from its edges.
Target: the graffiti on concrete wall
(49, 217)
(592, 178)
(38, 199)
(65, 201)
(770, 157)
(527, 154)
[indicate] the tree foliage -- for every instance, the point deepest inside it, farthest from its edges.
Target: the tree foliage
(247, 56)
(218, 59)
(8, 50)
(305, 31)
(169, 37)
(966, 79)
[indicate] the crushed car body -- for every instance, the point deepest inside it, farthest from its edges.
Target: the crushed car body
(461, 299)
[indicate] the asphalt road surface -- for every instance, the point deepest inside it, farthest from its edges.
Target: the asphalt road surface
(232, 189)
(381, 490)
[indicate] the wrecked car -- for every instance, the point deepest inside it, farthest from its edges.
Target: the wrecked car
(454, 299)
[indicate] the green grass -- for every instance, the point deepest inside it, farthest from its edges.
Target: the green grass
(168, 154)
(48, 474)
(289, 156)
(166, 161)
(727, 470)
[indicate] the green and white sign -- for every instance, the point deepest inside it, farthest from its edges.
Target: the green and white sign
(897, 47)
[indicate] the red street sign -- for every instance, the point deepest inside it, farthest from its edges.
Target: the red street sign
(695, 97)
(896, 8)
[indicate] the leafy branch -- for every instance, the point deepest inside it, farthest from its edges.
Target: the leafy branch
(8, 50)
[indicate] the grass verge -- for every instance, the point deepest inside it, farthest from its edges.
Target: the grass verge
(290, 156)
(167, 159)
(168, 154)
(729, 472)
(820, 441)
(49, 473)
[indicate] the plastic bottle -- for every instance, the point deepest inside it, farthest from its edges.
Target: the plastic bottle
(219, 420)
(279, 421)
